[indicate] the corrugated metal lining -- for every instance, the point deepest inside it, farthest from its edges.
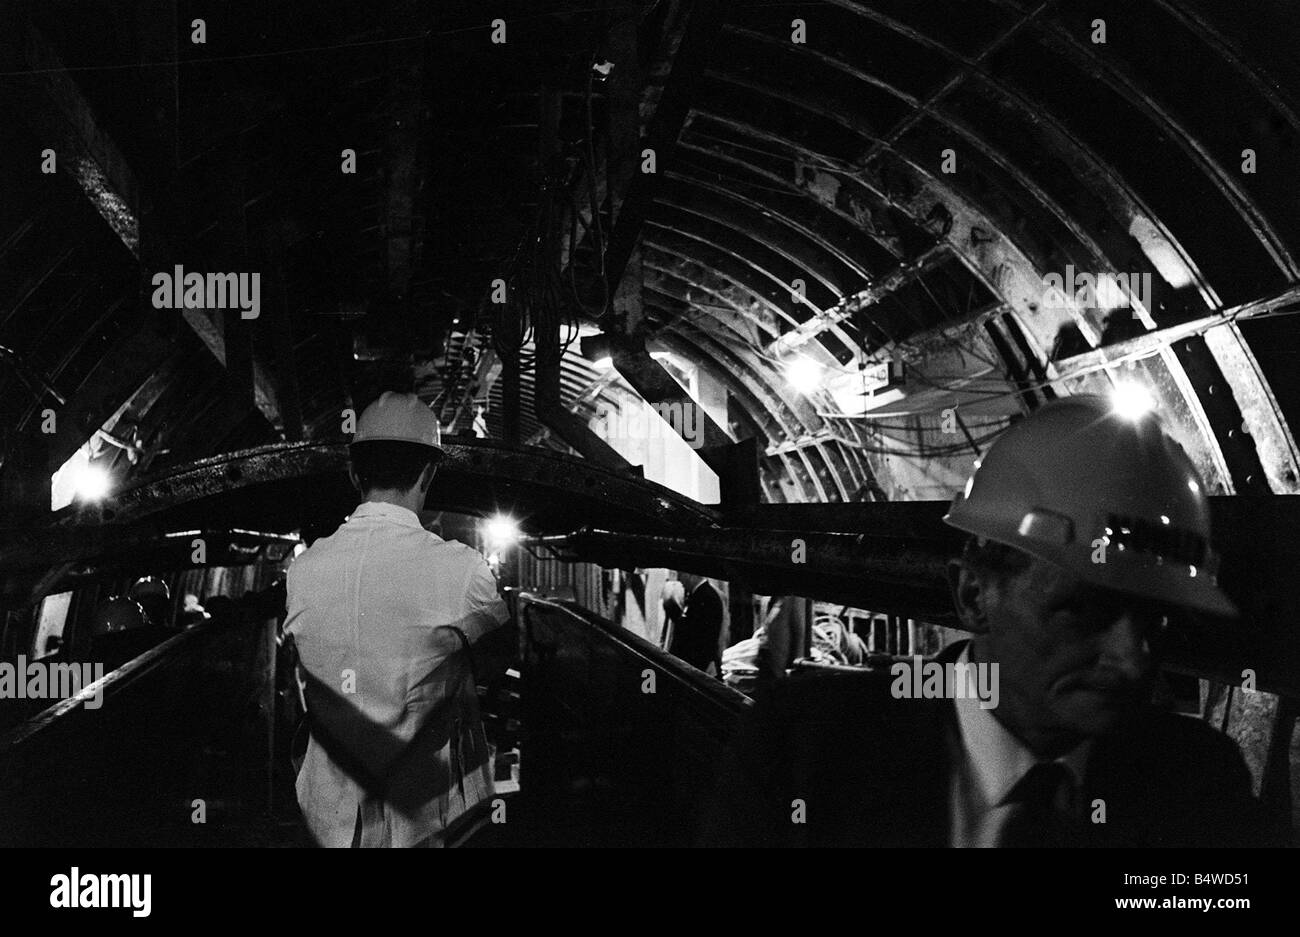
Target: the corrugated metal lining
(821, 160)
(795, 150)
(581, 388)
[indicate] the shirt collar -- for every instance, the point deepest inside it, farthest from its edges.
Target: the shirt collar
(393, 512)
(997, 759)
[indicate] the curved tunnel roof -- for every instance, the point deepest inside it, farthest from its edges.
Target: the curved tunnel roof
(854, 183)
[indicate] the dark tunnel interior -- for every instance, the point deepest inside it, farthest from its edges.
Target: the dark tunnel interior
(716, 310)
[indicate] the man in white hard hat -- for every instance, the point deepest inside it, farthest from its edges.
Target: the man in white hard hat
(389, 621)
(1088, 530)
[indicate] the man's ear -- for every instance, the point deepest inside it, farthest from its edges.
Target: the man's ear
(356, 482)
(426, 477)
(970, 596)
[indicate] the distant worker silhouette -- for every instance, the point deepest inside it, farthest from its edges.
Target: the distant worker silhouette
(155, 598)
(696, 625)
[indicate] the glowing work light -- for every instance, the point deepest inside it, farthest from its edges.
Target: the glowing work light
(501, 531)
(1131, 401)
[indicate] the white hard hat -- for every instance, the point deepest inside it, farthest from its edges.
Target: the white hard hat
(149, 587)
(1110, 498)
(398, 417)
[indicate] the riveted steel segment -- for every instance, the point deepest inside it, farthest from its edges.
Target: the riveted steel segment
(884, 573)
(799, 248)
(652, 381)
(477, 477)
(763, 407)
(793, 412)
(1091, 170)
(896, 279)
(125, 544)
(796, 213)
(1265, 86)
(676, 283)
(743, 174)
(1228, 184)
(722, 267)
(915, 157)
(664, 127)
(1263, 421)
(47, 97)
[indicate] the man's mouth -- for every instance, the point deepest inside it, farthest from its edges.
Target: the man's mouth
(1102, 686)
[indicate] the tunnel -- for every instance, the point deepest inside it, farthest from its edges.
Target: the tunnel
(695, 295)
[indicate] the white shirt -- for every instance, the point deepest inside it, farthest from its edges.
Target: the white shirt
(989, 761)
(372, 609)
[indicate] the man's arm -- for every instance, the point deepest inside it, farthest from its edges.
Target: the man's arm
(492, 634)
(671, 603)
(496, 651)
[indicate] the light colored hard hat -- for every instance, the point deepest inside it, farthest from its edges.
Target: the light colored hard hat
(1076, 482)
(149, 587)
(398, 417)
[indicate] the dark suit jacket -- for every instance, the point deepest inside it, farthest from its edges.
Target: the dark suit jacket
(872, 770)
(695, 639)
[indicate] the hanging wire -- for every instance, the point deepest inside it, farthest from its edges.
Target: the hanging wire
(590, 153)
(542, 297)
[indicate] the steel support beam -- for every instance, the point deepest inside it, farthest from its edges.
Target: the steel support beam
(660, 389)
(552, 412)
(688, 284)
(797, 215)
(49, 101)
(477, 477)
(735, 463)
(922, 108)
(758, 223)
(126, 544)
(905, 273)
(874, 572)
(664, 128)
(746, 378)
(46, 98)
(1229, 183)
(892, 557)
(1224, 350)
(124, 367)
(1149, 343)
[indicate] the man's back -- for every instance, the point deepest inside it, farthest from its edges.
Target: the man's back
(381, 613)
(696, 640)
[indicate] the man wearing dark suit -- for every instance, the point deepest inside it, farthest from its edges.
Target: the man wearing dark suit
(697, 629)
(1088, 529)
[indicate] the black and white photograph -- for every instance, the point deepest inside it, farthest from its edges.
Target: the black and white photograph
(599, 425)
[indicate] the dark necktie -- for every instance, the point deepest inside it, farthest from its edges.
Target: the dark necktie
(1037, 823)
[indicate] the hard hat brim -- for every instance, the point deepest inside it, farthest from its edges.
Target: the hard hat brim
(403, 439)
(1171, 584)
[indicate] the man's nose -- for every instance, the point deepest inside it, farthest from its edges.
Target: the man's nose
(1124, 646)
